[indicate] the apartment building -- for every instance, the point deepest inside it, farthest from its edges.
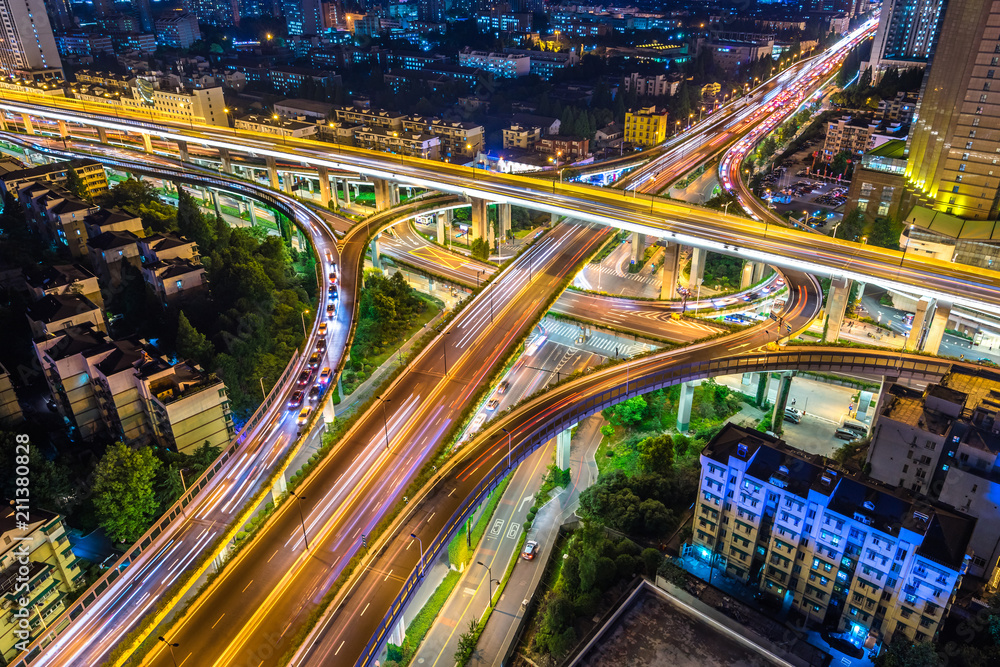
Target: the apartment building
(55, 312)
(65, 279)
(109, 251)
(56, 215)
(564, 149)
(414, 144)
(310, 110)
(91, 172)
(944, 442)
(503, 65)
(178, 29)
(646, 127)
(652, 85)
(111, 220)
(458, 139)
(171, 266)
(52, 573)
(151, 96)
(545, 64)
(389, 120)
(848, 135)
(128, 389)
(279, 127)
(10, 409)
(842, 550)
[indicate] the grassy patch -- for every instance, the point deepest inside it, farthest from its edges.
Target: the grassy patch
(422, 622)
(614, 454)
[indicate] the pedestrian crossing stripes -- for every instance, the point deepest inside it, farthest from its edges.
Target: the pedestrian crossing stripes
(646, 278)
(602, 343)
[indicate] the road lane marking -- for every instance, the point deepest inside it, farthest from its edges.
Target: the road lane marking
(247, 586)
(386, 578)
(340, 647)
(431, 516)
(364, 610)
(273, 555)
(220, 618)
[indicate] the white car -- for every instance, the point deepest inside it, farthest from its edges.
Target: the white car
(477, 423)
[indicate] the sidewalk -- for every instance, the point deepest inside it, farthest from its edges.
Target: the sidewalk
(503, 627)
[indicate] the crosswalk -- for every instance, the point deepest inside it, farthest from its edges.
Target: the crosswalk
(645, 278)
(601, 343)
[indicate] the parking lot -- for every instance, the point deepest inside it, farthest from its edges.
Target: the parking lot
(797, 193)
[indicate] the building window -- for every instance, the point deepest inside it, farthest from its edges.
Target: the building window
(862, 205)
(968, 144)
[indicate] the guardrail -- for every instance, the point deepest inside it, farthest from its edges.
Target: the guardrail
(832, 359)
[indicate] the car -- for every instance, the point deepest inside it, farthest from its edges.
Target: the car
(313, 360)
(331, 310)
(503, 387)
(530, 549)
(846, 434)
(304, 415)
(493, 404)
(477, 422)
(321, 345)
(322, 330)
(793, 415)
(325, 375)
(333, 278)
(334, 296)
(314, 393)
(304, 378)
(296, 399)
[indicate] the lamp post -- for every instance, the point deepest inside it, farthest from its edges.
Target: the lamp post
(304, 332)
(263, 393)
(907, 246)
(305, 536)
(508, 445)
(489, 571)
(420, 570)
(171, 646)
(229, 112)
(277, 124)
(385, 421)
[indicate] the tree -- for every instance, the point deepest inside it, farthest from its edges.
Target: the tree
(467, 643)
(885, 233)
(124, 497)
(480, 249)
(191, 221)
(75, 184)
(191, 343)
(657, 454)
(851, 226)
(651, 561)
(901, 652)
(630, 412)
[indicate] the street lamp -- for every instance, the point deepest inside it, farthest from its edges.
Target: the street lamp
(303, 314)
(489, 571)
(229, 112)
(171, 647)
(420, 570)
(907, 246)
(305, 537)
(508, 445)
(264, 393)
(385, 421)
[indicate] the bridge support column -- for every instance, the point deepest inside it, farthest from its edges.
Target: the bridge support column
(280, 487)
(324, 185)
(480, 219)
(374, 250)
(781, 401)
(668, 272)
(347, 193)
(758, 271)
(836, 306)
(329, 411)
(227, 161)
(147, 143)
(272, 173)
(215, 202)
(698, 256)
(63, 130)
(503, 213)
(442, 227)
(562, 448)
(383, 194)
(684, 406)
(287, 182)
(638, 246)
(182, 148)
(253, 212)
(102, 135)
(29, 128)
(746, 277)
(394, 193)
(3, 121)
(939, 323)
(917, 330)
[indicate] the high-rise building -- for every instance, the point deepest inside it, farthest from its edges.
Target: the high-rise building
(145, 11)
(304, 17)
(26, 39)
(60, 14)
(839, 548)
(953, 146)
(907, 33)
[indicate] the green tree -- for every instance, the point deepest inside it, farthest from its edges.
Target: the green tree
(630, 412)
(651, 559)
(885, 233)
(851, 226)
(191, 343)
(480, 249)
(192, 223)
(657, 454)
(467, 643)
(124, 497)
(75, 184)
(901, 652)
(51, 483)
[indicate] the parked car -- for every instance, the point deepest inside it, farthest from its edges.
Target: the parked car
(793, 415)
(846, 434)
(530, 549)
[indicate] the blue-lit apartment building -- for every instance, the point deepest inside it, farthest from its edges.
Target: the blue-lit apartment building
(846, 552)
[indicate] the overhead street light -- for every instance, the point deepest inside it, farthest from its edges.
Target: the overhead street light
(420, 569)
(305, 536)
(385, 422)
(171, 646)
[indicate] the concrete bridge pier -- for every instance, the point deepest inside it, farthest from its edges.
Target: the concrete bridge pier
(347, 193)
(746, 278)
(324, 185)
(836, 306)
(272, 173)
(182, 147)
(638, 246)
(375, 250)
(383, 194)
(562, 447)
(63, 130)
(939, 323)
(919, 320)
(480, 219)
(698, 256)
(147, 143)
(781, 400)
(287, 181)
(669, 271)
(442, 226)
(503, 214)
(29, 127)
(227, 161)
(684, 406)
(253, 212)
(758, 272)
